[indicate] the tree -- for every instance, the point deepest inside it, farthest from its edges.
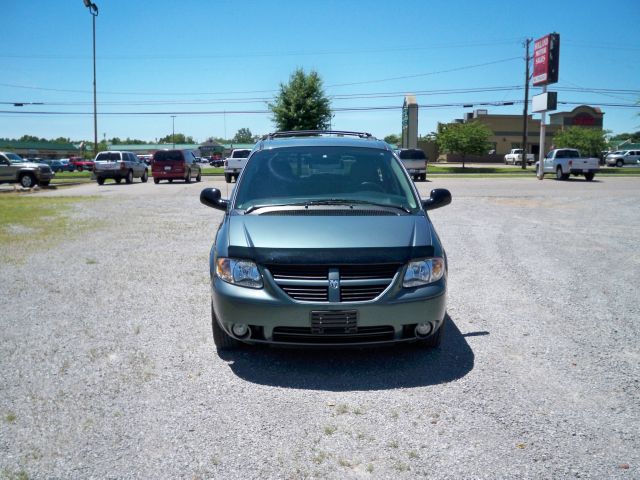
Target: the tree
(392, 139)
(301, 104)
(177, 138)
(464, 138)
(590, 141)
(243, 135)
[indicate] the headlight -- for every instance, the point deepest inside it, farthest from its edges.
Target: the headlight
(423, 272)
(239, 272)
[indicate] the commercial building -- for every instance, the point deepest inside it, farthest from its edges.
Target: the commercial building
(507, 129)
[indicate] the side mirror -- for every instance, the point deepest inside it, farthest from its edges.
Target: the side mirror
(439, 197)
(211, 198)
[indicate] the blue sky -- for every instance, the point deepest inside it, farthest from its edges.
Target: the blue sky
(227, 59)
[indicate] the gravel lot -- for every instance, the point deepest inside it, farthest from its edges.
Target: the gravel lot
(108, 368)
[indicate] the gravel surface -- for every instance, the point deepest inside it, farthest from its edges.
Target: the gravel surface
(108, 368)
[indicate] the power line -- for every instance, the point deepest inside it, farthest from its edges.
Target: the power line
(340, 109)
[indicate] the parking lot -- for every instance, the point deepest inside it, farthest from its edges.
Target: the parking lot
(109, 369)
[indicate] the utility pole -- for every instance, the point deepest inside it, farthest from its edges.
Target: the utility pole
(526, 105)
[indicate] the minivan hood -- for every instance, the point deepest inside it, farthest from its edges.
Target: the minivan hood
(330, 239)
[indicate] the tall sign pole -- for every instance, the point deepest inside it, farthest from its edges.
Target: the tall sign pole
(525, 113)
(546, 63)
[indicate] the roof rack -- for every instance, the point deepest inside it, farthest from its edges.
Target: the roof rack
(308, 133)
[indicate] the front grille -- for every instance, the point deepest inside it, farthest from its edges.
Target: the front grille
(358, 283)
(307, 293)
(45, 169)
(360, 335)
(360, 294)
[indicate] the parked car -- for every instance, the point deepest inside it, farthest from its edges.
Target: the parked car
(15, 169)
(415, 161)
(514, 157)
(119, 165)
(235, 163)
(175, 165)
(81, 164)
(624, 157)
(568, 161)
(146, 158)
(216, 162)
(325, 241)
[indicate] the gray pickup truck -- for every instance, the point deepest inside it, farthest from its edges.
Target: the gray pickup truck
(118, 165)
(14, 169)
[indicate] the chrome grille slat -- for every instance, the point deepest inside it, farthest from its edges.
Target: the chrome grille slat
(358, 283)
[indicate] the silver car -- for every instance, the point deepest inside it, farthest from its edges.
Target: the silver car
(325, 241)
(624, 157)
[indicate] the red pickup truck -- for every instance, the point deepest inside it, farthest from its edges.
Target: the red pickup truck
(81, 164)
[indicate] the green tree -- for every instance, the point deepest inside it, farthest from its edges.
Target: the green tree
(590, 141)
(177, 138)
(392, 139)
(243, 135)
(301, 104)
(464, 138)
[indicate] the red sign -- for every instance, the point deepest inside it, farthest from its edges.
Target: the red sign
(546, 53)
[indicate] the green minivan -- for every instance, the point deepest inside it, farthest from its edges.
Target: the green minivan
(326, 242)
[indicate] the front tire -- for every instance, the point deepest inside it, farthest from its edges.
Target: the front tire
(222, 340)
(619, 163)
(145, 177)
(100, 181)
(27, 181)
(227, 178)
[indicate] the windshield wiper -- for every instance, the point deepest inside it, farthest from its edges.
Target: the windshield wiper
(341, 201)
(329, 201)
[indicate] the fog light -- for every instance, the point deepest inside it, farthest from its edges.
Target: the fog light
(423, 329)
(240, 329)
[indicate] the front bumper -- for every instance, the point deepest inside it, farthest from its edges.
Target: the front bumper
(277, 319)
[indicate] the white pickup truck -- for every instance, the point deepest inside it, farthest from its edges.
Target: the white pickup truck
(415, 161)
(514, 157)
(567, 161)
(234, 164)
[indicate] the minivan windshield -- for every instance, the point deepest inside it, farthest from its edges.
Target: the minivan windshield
(324, 176)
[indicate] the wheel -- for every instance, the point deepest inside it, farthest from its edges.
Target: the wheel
(171, 180)
(199, 177)
(100, 181)
(227, 178)
(589, 176)
(44, 183)
(435, 339)
(188, 178)
(145, 177)
(559, 174)
(222, 340)
(27, 180)
(129, 177)
(423, 177)
(619, 163)
(80, 168)
(156, 180)
(118, 180)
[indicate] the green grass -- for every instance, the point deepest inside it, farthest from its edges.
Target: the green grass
(29, 219)
(492, 171)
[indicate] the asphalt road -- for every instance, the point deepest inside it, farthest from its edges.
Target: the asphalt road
(108, 368)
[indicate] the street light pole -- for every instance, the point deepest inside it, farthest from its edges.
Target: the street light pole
(93, 10)
(173, 131)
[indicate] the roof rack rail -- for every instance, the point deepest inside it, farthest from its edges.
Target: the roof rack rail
(308, 133)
